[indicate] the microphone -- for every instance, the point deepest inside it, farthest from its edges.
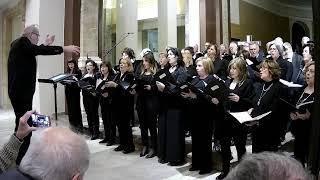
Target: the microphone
(130, 33)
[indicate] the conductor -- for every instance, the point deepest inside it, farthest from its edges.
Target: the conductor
(22, 69)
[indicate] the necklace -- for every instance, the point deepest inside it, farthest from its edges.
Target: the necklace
(301, 100)
(263, 92)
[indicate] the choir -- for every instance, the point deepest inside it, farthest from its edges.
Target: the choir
(179, 94)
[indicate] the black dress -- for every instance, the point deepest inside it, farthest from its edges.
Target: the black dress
(301, 128)
(72, 92)
(171, 128)
(266, 135)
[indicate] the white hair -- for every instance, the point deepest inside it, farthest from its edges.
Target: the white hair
(30, 29)
(56, 153)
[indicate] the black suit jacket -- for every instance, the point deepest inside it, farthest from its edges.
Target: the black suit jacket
(22, 66)
(297, 66)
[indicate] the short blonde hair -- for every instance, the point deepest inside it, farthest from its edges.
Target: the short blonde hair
(207, 64)
(129, 63)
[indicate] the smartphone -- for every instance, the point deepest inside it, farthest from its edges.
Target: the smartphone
(39, 120)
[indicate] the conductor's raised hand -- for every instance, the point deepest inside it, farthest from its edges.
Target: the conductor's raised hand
(49, 40)
(72, 49)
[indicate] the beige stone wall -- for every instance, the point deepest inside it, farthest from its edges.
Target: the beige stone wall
(12, 26)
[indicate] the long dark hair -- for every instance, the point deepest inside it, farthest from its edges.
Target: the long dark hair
(178, 54)
(76, 67)
(96, 69)
(109, 66)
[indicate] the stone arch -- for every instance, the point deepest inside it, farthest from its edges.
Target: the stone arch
(299, 29)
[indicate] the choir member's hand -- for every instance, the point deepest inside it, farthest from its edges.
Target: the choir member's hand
(71, 49)
(234, 97)
(160, 86)
(190, 94)
(111, 84)
(215, 101)
(133, 92)
(24, 129)
(293, 116)
(49, 40)
(250, 111)
(147, 87)
(304, 116)
(105, 94)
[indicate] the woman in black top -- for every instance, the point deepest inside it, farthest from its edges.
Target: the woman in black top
(91, 100)
(241, 92)
(147, 105)
(122, 103)
(266, 134)
(276, 52)
(171, 128)
(220, 65)
(301, 117)
(109, 123)
(202, 121)
(72, 92)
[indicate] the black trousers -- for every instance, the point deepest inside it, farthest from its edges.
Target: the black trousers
(109, 123)
(74, 110)
(91, 105)
(232, 129)
(123, 118)
(20, 106)
(300, 129)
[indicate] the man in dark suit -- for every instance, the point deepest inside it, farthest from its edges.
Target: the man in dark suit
(297, 64)
(255, 52)
(22, 70)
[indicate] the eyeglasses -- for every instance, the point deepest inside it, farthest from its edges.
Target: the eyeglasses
(36, 34)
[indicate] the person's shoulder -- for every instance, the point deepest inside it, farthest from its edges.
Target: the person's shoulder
(14, 174)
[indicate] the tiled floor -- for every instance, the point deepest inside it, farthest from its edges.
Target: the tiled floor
(108, 164)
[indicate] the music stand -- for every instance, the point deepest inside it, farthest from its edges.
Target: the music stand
(54, 80)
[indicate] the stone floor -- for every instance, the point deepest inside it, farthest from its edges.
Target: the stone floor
(108, 164)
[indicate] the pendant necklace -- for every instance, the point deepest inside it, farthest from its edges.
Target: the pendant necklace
(263, 92)
(301, 100)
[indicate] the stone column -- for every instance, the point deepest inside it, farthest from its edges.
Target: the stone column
(167, 24)
(192, 22)
(127, 23)
(89, 32)
(226, 25)
(49, 15)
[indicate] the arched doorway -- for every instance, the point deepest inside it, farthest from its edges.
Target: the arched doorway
(299, 29)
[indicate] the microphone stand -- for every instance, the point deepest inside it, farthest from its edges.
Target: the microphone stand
(109, 51)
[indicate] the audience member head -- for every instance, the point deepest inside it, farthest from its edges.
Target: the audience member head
(32, 33)
(212, 52)
(244, 54)
(149, 63)
(206, 45)
(304, 40)
(233, 48)
(188, 54)
(288, 52)
(269, 70)
(307, 53)
(204, 66)
(237, 69)
(254, 49)
(276, 51)
(195, 48)
(223, 50)
(268, 166)
(56, 153)
(175, 57)
(245, 46)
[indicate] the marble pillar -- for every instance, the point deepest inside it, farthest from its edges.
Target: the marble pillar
(167, 24)
(126, 23)
(192, 23)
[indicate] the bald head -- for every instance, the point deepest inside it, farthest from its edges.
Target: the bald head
(56, 153)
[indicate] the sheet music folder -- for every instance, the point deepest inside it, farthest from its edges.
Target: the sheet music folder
(55, 79)
(246, 117)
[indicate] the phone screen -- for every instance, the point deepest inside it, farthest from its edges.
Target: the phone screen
(39, 120)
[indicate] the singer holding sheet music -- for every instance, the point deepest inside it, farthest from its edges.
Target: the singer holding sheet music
(122, 103)
(72, 92)
(22, 71)
(301, 118)
(91, 100)
(241, 93)
(266, 135)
